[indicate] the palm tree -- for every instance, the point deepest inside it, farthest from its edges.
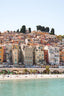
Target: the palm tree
(9, 72)
(31, 71)
(47, 69)
(34, 71)
(4, 72)
(25, 71)
(14, 71)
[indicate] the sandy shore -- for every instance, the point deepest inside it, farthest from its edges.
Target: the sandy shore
(30, 76)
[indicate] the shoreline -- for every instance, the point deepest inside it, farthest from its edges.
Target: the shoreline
(31, 76)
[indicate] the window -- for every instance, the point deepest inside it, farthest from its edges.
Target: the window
(36, 50)
(51, 51)
(39, 55)
(15, 47)
(0, 47)
(55, 60)
(15, 52)
(15, 59)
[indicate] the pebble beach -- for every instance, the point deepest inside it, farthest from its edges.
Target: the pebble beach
(30, 76)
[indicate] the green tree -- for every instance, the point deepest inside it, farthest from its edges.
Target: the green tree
(38, 27)
(34, 71)
(63, 36)
(17, 30)
(59, 37)
(52, 31)
(14, 31)
(23, 29)
(29, 30)
(25, 71)
(47, 29)
(42, 28)
(47, 69)
(4, 72)
(8, 71)
(31, 71)
(8, 31)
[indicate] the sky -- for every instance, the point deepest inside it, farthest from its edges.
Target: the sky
(48, 13)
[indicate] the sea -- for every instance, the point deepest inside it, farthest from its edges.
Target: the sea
(36, 87)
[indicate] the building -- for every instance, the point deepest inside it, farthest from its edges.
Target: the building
(4, 53)
(62, 57)
(1, 54)
(15, 54)
(39, 55)
(53, 55)
(8, 53)
(27, 54)
(46, 54)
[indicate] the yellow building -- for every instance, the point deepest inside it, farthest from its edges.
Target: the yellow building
(1, 54)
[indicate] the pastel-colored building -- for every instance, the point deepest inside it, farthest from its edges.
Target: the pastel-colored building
(39, 55)
(27, 54)
(15, 54)
(1, 54)
(4, 53)
(62, 56)
(46, 54)
(8, 52)
(53, 55)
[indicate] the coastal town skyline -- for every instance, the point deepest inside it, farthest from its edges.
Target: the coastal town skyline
(31, 47)
(15, 13)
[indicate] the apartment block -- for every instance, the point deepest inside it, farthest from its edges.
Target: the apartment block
(8, 53)
(27, 54)
(15, 54)
(62, 56)
(39, 55)
(1, 54)
(53, 55)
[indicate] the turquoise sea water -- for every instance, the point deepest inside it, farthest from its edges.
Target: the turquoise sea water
(43, 87)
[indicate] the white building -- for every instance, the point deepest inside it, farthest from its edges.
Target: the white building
(53, 55)
(27, 54)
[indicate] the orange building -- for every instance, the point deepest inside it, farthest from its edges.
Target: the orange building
(46, 56)
(1, 54)
(62, 56)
